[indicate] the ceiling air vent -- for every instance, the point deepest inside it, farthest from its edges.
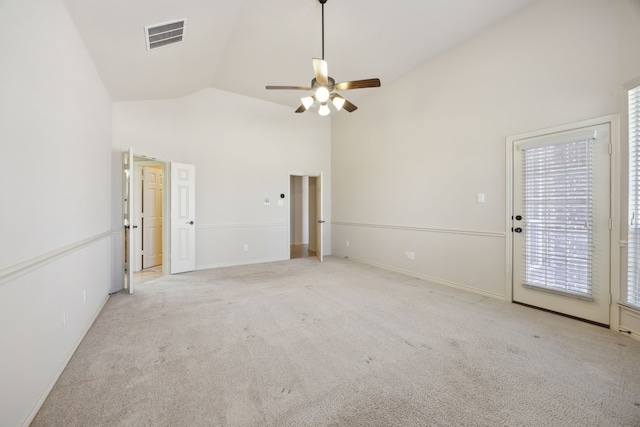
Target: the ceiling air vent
(163, 34)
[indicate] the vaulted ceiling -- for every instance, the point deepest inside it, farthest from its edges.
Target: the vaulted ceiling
(242, 45)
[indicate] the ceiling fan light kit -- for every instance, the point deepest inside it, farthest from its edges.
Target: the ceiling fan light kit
(324, 87)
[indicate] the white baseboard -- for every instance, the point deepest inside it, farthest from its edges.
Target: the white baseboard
(45, 393)
(239, 263)
(429, 278)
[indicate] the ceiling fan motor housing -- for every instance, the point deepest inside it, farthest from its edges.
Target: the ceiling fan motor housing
(330, 85)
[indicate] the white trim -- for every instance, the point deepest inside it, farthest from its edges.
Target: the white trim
(13, 272)
(427, 278)
(497, 234)
(45, 393)
(239, 263)
(566, 138)
(615, 250)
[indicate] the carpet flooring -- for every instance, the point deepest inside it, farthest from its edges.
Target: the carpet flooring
(300, 343)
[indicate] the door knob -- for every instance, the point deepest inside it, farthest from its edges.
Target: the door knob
(518, 230)
(189, 222)
(518, 217)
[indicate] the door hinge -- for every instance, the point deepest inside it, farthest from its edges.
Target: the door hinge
(610, 299)
(610, 224)
(610, 149)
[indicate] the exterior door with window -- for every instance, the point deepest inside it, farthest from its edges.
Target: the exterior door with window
(561, 222)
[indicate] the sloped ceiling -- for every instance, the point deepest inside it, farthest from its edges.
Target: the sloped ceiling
(242, 45)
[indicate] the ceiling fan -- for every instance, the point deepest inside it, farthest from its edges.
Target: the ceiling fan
(325, 87)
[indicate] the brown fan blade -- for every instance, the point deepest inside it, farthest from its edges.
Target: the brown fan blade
(358, 84)
(349, 106)
(301, 109)
(287, 88)
(322, 70)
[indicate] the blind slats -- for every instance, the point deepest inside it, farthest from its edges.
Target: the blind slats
(633, 276)
(559, 215)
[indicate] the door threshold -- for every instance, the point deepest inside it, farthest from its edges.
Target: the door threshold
(602, 325)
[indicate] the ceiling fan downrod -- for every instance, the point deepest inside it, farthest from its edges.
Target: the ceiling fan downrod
(322, 2)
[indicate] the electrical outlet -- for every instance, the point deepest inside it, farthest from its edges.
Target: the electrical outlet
(407, 255)
(246, 248)
(347, 243)
(412, 256)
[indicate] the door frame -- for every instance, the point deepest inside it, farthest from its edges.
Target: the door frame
(319, 179)
(147, 160)
(614, 236)
(140, 208)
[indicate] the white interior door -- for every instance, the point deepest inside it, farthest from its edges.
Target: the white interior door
(320, 219)
(136, 201)
(561, 222)
(128, 215)
(152, 216)
(183, 207)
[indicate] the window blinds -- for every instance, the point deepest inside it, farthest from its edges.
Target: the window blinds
(633, 280)
(558, 214)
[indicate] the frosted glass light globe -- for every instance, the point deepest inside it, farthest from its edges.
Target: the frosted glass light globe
(322, 94)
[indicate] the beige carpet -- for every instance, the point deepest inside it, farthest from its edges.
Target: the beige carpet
(300, 343)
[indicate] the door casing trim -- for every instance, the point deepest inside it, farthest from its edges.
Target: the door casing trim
(614, 234)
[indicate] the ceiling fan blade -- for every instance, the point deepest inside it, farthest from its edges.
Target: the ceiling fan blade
(301, 109)
(322, 70)
(349, 106)
(288, 88)
(358, 84)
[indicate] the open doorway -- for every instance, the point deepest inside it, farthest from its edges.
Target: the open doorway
(177, 235)
(149, 207)
(148, 211)
(305, 218)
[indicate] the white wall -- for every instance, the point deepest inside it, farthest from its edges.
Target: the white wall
(244, 151)
(408, 166)
(55, 134)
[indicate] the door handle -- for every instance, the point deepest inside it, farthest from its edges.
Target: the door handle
(518, 217)
(189, 222)
(320, 222)
(518, 230)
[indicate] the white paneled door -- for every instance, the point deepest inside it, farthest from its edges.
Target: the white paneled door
(183, 207)
(561, 222)
(320, 219)
(152, 216)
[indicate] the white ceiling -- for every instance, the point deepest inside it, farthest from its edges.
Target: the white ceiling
(242, 45)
